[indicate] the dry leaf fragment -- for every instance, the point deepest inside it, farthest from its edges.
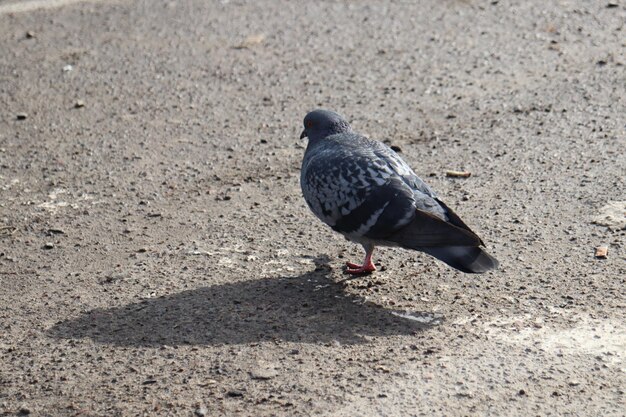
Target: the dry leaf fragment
(602, 252)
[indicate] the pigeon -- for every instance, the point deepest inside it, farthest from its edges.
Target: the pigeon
(362, 189)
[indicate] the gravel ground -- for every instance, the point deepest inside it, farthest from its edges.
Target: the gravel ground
(157, 257)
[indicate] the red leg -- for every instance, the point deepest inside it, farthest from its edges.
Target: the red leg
(367, 266)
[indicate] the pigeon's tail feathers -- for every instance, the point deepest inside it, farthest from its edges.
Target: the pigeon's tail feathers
(468, 259)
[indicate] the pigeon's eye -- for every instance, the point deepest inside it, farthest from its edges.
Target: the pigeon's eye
(308, 124)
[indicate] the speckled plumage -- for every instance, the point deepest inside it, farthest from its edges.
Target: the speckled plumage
(362, 189)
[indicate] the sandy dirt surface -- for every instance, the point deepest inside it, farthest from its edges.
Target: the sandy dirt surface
(157, 257)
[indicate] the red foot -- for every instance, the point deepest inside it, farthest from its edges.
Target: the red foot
(355, 269)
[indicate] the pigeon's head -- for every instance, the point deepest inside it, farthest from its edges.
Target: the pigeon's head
(321, 123)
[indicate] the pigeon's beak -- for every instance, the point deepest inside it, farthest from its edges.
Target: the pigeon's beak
(303, 134)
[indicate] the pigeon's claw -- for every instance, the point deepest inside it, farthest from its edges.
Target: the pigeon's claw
(355, 269)
(366, 268)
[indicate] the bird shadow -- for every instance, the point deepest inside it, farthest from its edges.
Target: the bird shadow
(310, 308)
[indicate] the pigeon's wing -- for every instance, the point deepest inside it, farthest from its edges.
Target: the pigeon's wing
(382, 210)
(388, 213)
(361, 188)
(456, 220)
(427, 230)
(425, 198)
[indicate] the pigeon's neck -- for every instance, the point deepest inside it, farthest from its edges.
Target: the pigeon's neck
(334, 129)
(329, 142)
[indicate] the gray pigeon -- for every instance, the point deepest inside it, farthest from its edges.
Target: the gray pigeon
(365, 191)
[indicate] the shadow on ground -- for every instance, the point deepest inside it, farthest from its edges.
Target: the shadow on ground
(307, 308)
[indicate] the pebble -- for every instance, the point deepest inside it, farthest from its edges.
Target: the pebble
(21, 116)
(48, 245)
(263, 374)
(67, 68)
(201, 411)
(111, 278)
(234, 393)
(79, 104)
